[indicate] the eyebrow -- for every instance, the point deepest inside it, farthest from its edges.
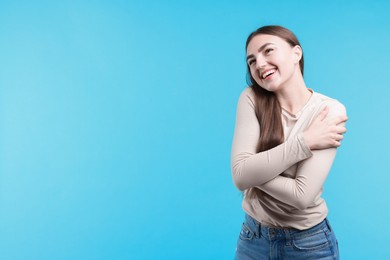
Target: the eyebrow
(259, 50)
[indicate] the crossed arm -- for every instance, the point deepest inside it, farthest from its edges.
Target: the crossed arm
(262, 170)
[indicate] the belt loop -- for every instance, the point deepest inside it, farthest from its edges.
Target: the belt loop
(288, 235)
(259, 229)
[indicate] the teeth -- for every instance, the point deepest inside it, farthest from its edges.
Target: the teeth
(268, 72)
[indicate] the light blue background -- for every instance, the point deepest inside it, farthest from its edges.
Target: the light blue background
(117, 119)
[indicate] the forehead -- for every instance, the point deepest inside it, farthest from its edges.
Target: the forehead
(261, 39)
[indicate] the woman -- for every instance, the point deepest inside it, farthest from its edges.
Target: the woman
(284, 145)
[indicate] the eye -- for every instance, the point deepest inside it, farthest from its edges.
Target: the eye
(251, 62)
(268, 50)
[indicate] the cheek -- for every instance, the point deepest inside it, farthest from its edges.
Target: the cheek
(285, 61)
(254, 73)
(284, 65)
(256, 78)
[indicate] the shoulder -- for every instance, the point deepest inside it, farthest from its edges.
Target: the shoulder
(336, 108)
(247, 97)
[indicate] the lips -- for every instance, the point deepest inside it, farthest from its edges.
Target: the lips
(267, 73)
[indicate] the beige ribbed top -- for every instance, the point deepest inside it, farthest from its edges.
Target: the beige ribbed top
(283, 185)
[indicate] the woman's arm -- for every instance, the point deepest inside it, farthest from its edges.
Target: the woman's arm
(249, 168)
(303, 190)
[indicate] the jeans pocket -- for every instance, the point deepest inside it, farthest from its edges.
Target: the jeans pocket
(311, 242)
(246, 233)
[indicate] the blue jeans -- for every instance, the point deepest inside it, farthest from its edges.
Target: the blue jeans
(257, 241)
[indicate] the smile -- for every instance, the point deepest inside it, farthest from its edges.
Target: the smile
(268, 73)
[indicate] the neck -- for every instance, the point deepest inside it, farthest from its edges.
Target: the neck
(294, 95)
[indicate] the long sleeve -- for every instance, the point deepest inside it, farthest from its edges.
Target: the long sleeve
(301, 192)
(249, 168)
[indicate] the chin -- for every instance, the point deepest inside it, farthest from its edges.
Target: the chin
(271, 88)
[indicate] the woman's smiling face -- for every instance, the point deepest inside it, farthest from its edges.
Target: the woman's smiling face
(272, 61)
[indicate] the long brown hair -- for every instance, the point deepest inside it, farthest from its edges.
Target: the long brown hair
(267, 107)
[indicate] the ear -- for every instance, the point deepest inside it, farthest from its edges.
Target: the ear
(297, 53)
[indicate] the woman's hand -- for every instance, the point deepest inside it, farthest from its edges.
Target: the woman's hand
(325, 133)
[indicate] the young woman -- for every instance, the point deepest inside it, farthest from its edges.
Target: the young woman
(284, 145)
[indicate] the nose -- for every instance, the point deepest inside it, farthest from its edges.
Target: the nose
(260, 61)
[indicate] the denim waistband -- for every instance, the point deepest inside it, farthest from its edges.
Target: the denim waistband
(277, 233)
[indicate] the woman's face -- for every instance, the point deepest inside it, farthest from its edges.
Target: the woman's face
(272, 61)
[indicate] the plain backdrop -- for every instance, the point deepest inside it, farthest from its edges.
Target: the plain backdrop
(117, 117)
